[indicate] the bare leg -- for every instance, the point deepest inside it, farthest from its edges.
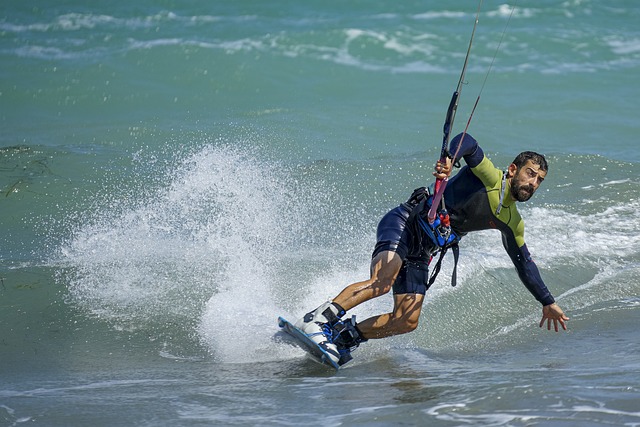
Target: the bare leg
(406, 307)
(384, 269)
(403, 319)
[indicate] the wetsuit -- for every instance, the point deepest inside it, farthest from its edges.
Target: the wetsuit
(471, 197)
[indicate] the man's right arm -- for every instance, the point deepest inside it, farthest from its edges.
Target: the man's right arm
(468, 149)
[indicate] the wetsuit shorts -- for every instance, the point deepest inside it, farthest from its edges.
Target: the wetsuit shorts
(394, 235)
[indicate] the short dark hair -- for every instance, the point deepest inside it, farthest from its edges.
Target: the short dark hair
(536, 158)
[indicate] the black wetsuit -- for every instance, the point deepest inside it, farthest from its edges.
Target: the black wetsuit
(471, 197)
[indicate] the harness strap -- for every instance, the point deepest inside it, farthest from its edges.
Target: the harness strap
(417, 202)
(454, 276)
(456, 255)
(420, 201)
(502, 187)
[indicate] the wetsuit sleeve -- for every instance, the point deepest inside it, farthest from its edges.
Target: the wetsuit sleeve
(469, 149)
(528, 271)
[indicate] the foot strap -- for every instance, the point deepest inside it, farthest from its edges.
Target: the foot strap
(347, 335)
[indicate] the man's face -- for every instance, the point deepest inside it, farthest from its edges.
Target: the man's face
(526, 181)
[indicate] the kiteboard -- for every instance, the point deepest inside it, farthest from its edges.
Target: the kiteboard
(303, 341)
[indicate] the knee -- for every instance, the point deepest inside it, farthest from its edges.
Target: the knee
(382, 285)
(404, 325)
(410, 325)
(384, 269)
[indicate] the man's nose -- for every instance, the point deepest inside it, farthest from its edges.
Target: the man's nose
(534, 181)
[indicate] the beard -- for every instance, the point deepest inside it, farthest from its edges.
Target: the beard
(521, 192)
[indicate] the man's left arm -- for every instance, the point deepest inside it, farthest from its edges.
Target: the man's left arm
(530, 277)
(529, 274)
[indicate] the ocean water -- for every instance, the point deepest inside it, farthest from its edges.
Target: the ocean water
(174, 175)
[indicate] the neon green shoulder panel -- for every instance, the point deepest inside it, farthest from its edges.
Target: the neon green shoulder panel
(491, 177)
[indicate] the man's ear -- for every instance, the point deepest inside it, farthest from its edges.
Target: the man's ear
(512, 170)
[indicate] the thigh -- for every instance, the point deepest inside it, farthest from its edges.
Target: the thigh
(392, 233)
(385, 267)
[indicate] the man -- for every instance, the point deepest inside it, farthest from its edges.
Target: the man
(479, 197)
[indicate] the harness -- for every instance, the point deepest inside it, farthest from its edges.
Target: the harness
(441, 235)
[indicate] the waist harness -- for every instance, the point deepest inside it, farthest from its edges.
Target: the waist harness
(440, 234)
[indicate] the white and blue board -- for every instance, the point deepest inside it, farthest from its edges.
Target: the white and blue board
(303, 341)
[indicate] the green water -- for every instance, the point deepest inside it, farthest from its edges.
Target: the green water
(174, 176)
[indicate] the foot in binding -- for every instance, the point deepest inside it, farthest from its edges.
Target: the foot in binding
(347, 337)
(318, 325)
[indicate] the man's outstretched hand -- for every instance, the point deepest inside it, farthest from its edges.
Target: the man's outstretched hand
(553, 313)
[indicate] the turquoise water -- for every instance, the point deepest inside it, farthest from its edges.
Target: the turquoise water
(175, 175)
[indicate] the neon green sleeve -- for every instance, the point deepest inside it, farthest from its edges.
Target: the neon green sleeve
(488, 174)
(491, 177)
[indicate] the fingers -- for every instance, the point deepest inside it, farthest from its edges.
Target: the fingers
(440, 175)
(443, 170)
(564, 325)
(548, 320)
(443, 167)
(561, 319)
(553, 313)
(555, 323)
